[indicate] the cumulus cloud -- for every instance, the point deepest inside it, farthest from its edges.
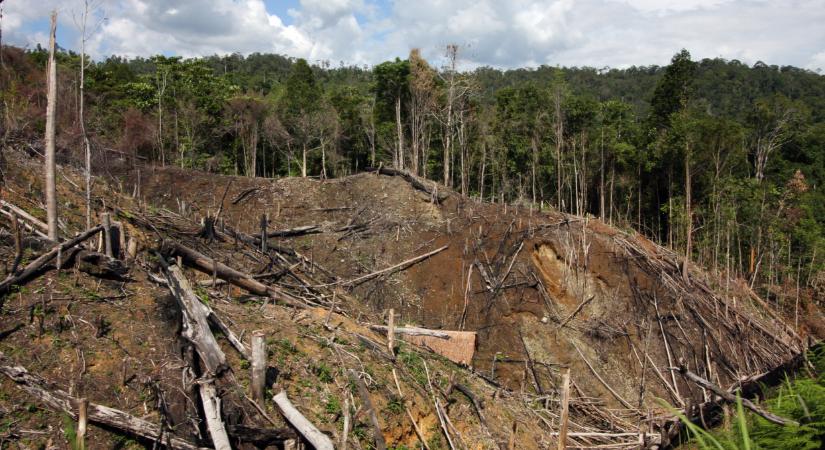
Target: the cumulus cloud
(599, 33)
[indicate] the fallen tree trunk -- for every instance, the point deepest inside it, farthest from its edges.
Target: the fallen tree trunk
(312, 434)
(61, 401)
(727, 396)
(413, 331)
(209, 266)
(195, 321)
(31, 220)
(212, 410)
(416, 182)
(39, 263)
(195, 318)
(297, 231)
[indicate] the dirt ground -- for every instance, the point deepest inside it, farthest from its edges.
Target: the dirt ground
(544, 292)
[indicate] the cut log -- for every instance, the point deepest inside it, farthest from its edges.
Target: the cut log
(565, 403)
(195, 321)
(312, 434)
(413, 331)
(212, 410)
(259, 363)
(61, 401)
(199, 261)
(39, 263)
(106, 221)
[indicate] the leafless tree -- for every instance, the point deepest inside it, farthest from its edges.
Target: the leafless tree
(51, 110)
(89, 8)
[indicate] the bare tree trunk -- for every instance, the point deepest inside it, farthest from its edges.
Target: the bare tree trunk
(51, 126)
(400, 160)
(533, 167)
(304, 161)
(601, 178)
(688, 218)
(87, 148)
(559, 144)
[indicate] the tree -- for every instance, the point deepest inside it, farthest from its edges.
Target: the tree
(421, 105)
(391, 87)
(51, 110)
(248, 113)
(89, 8)
(300, 103)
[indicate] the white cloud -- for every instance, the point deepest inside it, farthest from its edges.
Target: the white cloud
(510, 33)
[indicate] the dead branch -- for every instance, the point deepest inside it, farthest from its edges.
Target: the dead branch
(388, 270)
(576, 311)
(727, 396)
(601, 380)
(380, 444)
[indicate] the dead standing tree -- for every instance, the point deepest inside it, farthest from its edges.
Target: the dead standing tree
(51, 110)
(89, 7)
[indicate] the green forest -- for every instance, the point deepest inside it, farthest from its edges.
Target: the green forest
(721, 161)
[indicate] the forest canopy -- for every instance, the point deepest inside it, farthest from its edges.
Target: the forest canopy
(721, 161)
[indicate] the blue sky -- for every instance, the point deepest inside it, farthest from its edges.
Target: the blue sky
(500, 33)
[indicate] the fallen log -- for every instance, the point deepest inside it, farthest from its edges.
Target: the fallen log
(312, 434)
(212, 410)
(61, 401)
(30, 220)
(211, 267)
(195, 321)
(416, 182)
(413, 331)
(39, 263)
(297, 231)
(727, 396)
(195, 318)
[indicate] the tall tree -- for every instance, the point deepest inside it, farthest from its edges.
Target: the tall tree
(300, 102)
(51, 127)
(391, 87)
(89, 9)
(421, 105)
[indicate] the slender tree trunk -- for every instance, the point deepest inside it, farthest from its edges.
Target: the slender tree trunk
(82, 102)
(483, 167)
(400, 160)
(688, 216)
(601, 178)
(51, 126)
(304, 161)
(323, 161)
